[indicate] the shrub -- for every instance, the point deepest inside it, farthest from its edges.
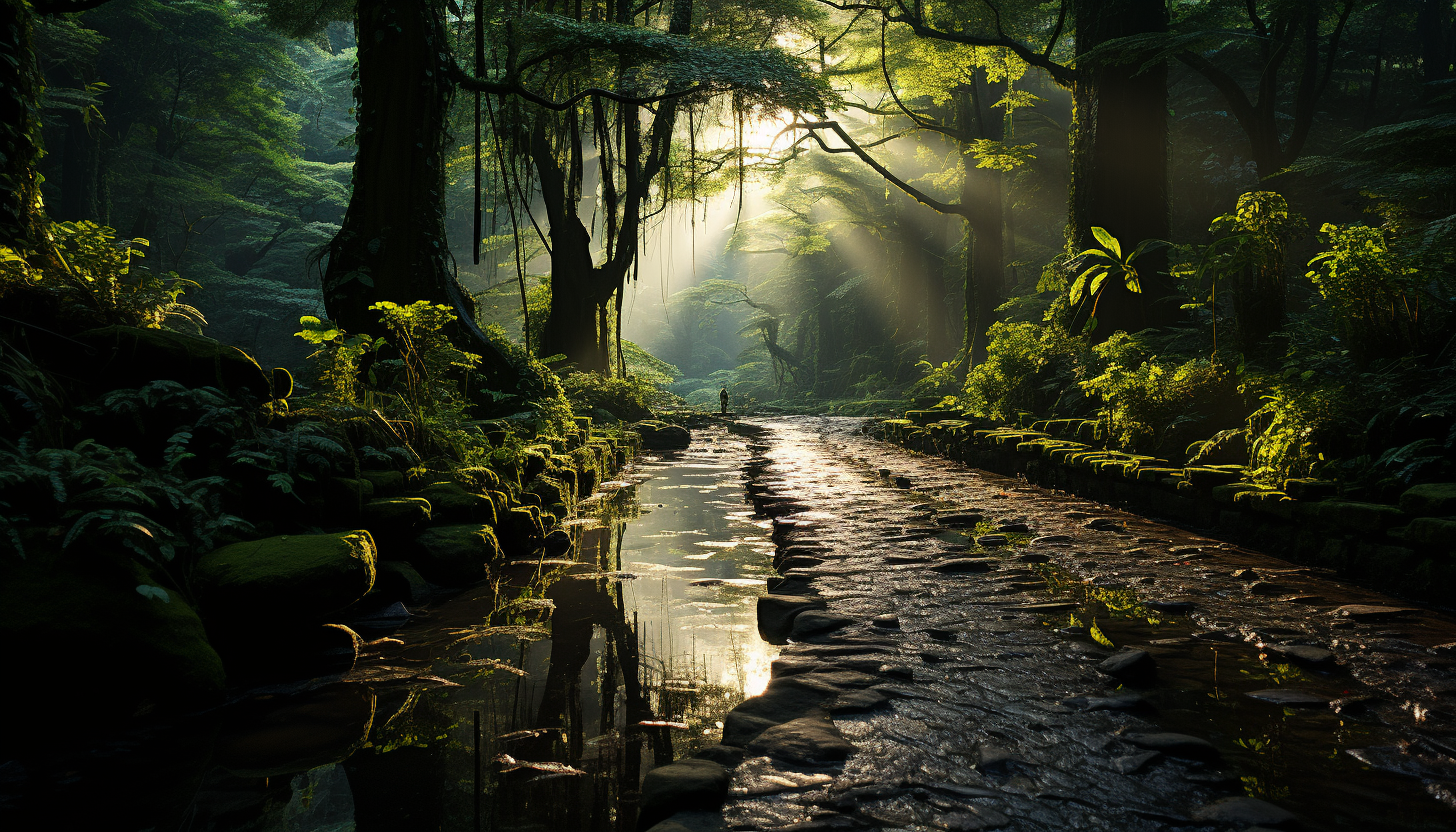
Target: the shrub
(1144, 399)
(1028, 367)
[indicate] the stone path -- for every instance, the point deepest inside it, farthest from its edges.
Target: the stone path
(971, 653)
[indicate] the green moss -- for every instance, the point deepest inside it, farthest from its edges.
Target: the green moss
(455, 554)
(294, 577)
(386, 483)
(1436, 532)
(450, 503)
(1435, 499)
(395, 514)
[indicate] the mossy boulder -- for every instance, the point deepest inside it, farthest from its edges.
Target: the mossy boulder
(1435, 532)
(550, 491)
(72, 622)
(1228, 494)
(1207, 477)
(397, 515)
(303, 651)
(300, 577)
(450, 503)
(398, 582)
(1307, 488)
(124, 356)
(281, 735)
(1349, 515)
(1433, 499)
(521, 530)
(455, 555)
(1275, 503)
(386, 483)
(660, 436)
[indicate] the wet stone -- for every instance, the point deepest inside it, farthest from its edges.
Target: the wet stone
(1175, 745)
(1120, 701)
(1244, 810)
(1013, 528)
(776, 614)
(810, 740)
(1033, 557)
(992, 540)
(1104, 524)
(1172, 606)
(692, 822)
(998, 762)
(1370, 612)
(897, 559)
(902, 482)
(809, 624)
(1129, 664)
(956, 566)
(800, 562)
(1133, 763)
(897, 671)
(1289, 698)
(858, 701)
(971, 819)
(888, 621)
(1266, 588)
(691, 785)
(962, 520)
(1303, 653)
(1052, 540)
(1050, 606)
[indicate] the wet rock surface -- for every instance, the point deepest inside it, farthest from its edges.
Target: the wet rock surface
(1049, 663)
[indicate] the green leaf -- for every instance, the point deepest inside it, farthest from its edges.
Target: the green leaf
(1107, 240)
(1097, 282)
(148, 591)
(1150, 244)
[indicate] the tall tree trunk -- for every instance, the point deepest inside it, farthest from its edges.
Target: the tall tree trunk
(392, 244)
(982, 203)
(1119, 150)
(21, 216)
(80, 171)
(1438, 42)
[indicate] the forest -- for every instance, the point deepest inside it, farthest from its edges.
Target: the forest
(314, 313)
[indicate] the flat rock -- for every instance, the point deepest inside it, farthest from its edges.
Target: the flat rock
(1051, 540)
(887, 621)
(1120, 701)
(1134, 762)
(691, 785)
(1049, 606)
(1129, 664)
(692, 822)
(1033, 557)
(1289, 698)
(1014, 528)
(807, 740)
(964, 565)
(814, 623)
(1174, 606)
(960, 521)
(1244, 810)
(1303, 653)
(906, 559)
(1371, 612)
(800, 562)
(857, 701)
(1174, 745)
(776, 614)
(992, 540)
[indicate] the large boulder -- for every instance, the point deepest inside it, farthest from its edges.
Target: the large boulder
(451, 503)
(520, 530)
(299, 577)
(660, 436)
(273, 736)
(455, 555)
(124, 356)
(684, 786)
(1432, 499)
(140, 644)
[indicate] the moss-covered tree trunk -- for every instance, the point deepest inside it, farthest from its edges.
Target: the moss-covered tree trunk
(981, 205)
(392, 244)
(21, 217)
(1119, 150)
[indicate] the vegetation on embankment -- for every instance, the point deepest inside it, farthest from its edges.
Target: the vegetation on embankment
(193, 522)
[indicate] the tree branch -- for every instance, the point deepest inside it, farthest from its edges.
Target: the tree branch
(853, 147)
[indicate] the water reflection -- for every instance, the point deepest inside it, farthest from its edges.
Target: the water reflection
(536, 702)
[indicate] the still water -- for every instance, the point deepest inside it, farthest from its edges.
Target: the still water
(535, 702)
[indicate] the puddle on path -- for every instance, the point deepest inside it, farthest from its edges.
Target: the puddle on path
(583, 675)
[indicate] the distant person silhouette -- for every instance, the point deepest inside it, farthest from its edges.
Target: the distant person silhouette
(723, 401)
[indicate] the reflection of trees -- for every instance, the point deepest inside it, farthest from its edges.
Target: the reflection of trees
(580, 606)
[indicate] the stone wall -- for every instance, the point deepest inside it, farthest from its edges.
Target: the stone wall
(1408, 549)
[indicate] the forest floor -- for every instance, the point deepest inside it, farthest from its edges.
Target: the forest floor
(1245, 691)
